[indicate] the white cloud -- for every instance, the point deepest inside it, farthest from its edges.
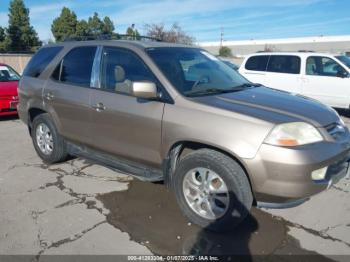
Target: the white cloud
(156, 11)
(41, 10)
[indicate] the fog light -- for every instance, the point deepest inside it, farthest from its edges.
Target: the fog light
(319, 174)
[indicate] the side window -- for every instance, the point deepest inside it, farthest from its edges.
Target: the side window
(120, 68)
(40, 60)
(257, 63)
(323, 66)
(76, 67)
(284, 64)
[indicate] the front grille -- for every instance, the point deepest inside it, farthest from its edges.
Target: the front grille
(8, 110)
(336, 130)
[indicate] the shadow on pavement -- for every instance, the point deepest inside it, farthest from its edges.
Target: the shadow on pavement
(9, 118)
(150, 214)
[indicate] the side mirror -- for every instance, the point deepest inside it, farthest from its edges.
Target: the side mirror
(343, 74)
(144, 90)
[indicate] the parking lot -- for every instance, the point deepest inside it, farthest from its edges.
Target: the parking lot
(78, 207)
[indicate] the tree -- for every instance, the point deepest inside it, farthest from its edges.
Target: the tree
(21, 36)
(132, 32)
(225, 51)
(95, 25)
(2, 40)
(68, 26)
(65, 25)
(173, 35)
(2, 34)
(108, 26)
(82, 28)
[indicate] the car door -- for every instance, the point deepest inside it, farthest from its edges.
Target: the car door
(326, 80)
(254, 69)
(123, 125)
(283, 73)
(67, 93)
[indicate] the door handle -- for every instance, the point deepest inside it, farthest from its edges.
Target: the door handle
(49, 96)
(99, 107)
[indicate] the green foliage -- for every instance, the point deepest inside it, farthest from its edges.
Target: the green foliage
(225, 51)
(95, 25)
(65, 25)
(20, 35)
(132, 32)
(82, 28)
(2, 34)
(108, 26)
(68, 26)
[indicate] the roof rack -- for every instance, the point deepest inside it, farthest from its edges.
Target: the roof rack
(110, 37)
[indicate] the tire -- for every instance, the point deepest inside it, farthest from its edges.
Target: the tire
(235, 204)
(52, 154)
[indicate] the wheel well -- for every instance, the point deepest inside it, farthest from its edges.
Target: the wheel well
(33, 113)
(179, 150)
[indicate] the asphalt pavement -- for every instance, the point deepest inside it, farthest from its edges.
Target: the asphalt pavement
(80, 208)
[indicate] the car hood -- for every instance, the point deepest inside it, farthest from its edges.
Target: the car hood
(8, 88)
(273, 105)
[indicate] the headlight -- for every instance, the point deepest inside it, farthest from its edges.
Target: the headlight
(293, 134)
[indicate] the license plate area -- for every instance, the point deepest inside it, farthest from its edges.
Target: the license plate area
(13, 104)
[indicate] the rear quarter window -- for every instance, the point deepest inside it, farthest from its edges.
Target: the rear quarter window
(40, 60)
(257, 63)
(287, 64)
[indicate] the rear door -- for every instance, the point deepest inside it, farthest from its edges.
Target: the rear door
(67, 93)
(283, 72)
(254, 68)
(324, 79)
(123, 125)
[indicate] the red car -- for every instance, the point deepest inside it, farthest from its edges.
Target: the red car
(8, 90)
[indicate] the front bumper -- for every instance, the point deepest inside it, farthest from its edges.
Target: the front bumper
(8, 107)
(283, 175)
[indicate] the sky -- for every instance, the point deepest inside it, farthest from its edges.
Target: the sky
(204, 19)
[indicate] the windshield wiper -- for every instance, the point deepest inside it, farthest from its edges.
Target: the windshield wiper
(247, 85)
(211, 91)
(208, 91)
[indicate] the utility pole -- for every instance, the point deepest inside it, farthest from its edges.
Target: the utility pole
(221, 36)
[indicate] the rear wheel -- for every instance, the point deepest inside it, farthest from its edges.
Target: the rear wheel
(212, 189)
(48, 144)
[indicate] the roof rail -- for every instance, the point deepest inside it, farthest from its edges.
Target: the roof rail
(110, 37)
(306, 51)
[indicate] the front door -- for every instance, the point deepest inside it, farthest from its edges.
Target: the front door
(324, 80)
(124, 125)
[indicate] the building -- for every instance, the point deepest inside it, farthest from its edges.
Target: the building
(326, 44)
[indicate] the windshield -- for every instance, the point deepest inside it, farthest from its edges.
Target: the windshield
(344, 59)
(195, 72)
(8, 74)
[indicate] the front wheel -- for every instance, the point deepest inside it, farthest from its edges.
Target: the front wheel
(212, 190)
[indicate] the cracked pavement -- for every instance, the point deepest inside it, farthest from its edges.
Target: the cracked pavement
(52, 209)
(47, 210)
